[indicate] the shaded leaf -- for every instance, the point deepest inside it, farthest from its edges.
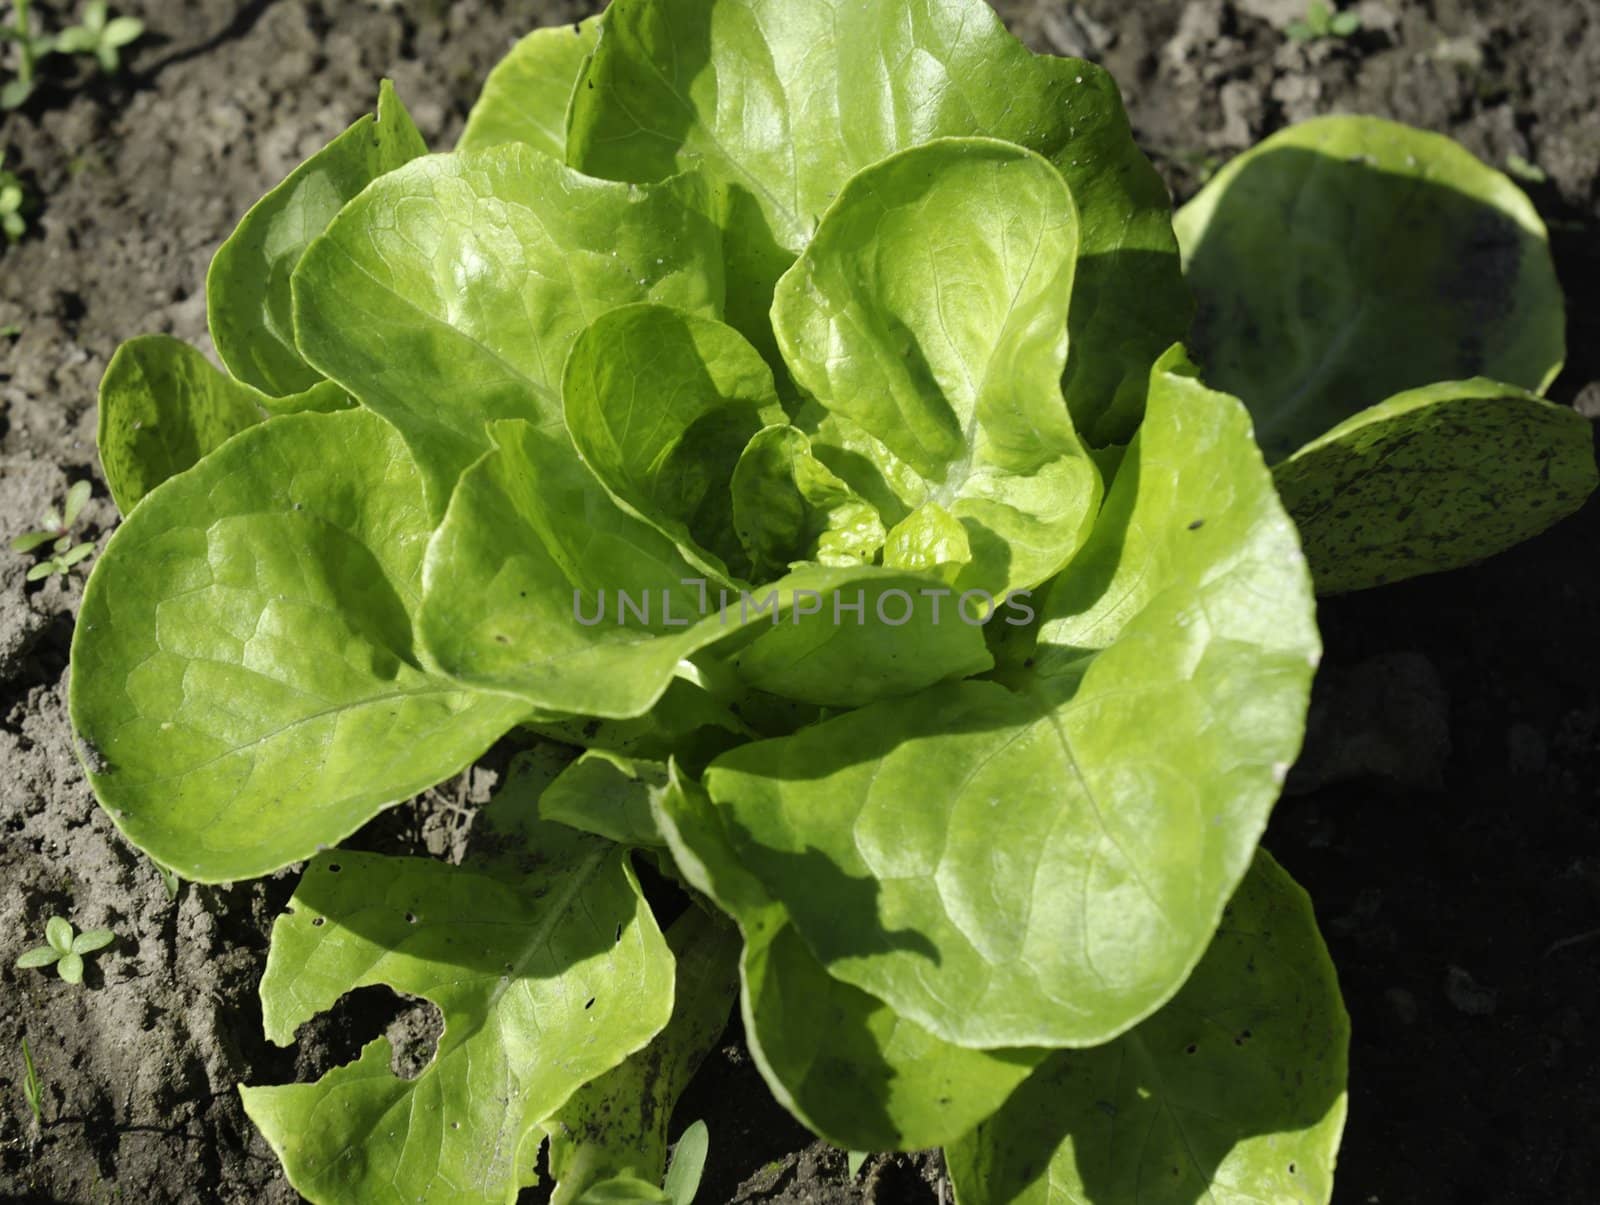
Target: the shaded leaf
(1433, 479)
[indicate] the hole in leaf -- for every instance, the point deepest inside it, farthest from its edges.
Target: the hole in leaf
(316, 922)
(334, 868)
(590, 1004)
(411, 918)
(414, 1037)
(1291, 1169)
(1190, 1048)
(337, 1037)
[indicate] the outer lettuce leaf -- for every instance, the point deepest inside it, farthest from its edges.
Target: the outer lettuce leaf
(248, 288)
(660, 404)
(525, 97)
(841, 1061)
(1046, 867)
(1396, 260)
(781, 103)
(247, 686)
(164, 406)
(449, 294)
(930, 310)
(789, 507)
(545, 984)
(1232, 1093)
(616, 1126)
(1435, 478)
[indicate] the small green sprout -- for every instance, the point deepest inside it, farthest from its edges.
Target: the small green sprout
(65, 950)
(101, 35)
(31, 47)
(57, 526)
(854, 1161)
(32, 1090)
(13, 200)
(688, 1164)
(10, 330)
(1322, 21)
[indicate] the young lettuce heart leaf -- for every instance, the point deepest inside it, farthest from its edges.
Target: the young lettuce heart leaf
(449, 294)
(1233, 1092)
(247, 684)
(544, 987)
(248, 299)
(524, 595)
(616, 1126)
(526, 96)
(820, 91)
(164, 407)
(660, 405)
(1074, 840)
(930, 311)
(789, 508)
(841, 1061)
(1408, 277)
(1435, 478)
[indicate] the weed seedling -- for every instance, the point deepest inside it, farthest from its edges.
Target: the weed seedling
(31, 47)
(55, 528)
(32, 1090)
(688, 1164)
(1322, 21)
(101, 35)
(13, 199)
(65, 950)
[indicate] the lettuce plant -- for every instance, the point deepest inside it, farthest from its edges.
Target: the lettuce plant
(784, 405)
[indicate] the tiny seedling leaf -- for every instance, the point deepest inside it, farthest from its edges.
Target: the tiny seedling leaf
(688, 1164)
(71, 967)
(91, 940)
(58, 932)
(39, 956)
(77, 495)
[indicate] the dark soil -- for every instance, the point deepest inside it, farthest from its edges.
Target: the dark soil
(1445, 818)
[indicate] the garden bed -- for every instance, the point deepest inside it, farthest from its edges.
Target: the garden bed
(1444, 818)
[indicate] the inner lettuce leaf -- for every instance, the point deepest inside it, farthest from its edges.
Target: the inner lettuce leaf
(790, 508)
(448, 295)
(660, 405)
(930, 310)
(537, 584)
(779, 104)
